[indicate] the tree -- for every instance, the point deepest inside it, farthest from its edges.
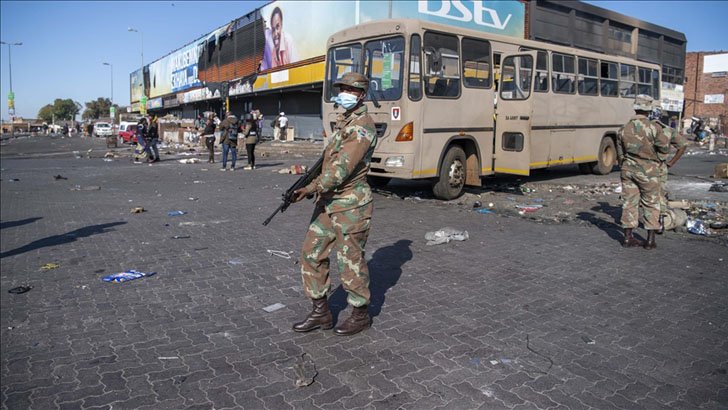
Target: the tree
(46, 113)
(65, 109)
(96, 109)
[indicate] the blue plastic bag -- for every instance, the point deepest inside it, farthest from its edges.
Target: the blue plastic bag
(176, 213)
(126, 276)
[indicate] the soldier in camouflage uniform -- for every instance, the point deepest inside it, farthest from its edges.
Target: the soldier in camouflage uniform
(342, 214)
(678, 141)
(641, 148)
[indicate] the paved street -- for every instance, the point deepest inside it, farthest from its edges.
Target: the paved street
(523, 314)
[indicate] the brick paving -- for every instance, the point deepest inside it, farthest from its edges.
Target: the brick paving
(522, 315)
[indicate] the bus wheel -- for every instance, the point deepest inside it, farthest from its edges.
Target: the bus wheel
(377, 182)
(451, 180)
(606, 158)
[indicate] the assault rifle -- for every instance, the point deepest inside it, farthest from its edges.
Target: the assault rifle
(289, 195)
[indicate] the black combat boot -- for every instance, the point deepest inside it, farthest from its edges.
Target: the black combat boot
(320, 317)
(629, 240)
(358, 321)
(650, 244)
(662, 225)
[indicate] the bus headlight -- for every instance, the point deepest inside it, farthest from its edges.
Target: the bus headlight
(394, 162)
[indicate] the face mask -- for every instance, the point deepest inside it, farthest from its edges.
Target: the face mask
(346, 100)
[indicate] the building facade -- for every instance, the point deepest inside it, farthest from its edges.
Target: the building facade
(706, 87)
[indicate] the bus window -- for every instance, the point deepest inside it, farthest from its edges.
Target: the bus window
(383, 65)
(476, 63)
(515, 80)
(563, 74)
(442, 65)
(626, 80)
(342, 60)
(644, 78)
(656, 84)
(414, 89)
(608, 77)
(541, 83)
(588, 81)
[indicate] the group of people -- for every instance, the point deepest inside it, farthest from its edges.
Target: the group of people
(148, 132)
(231, 130)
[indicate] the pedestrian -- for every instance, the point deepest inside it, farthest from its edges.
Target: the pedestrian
(642, 145)
(342, 213)
(208, 134)
(151, 140)
(251, 138)
(90, 130)
(64, 131)
(276, 129)
(229, 140)
(678, 141)
(283, 126)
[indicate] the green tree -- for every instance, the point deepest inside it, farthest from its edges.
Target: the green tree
(65, 109)
(46, 113)
(97, 109)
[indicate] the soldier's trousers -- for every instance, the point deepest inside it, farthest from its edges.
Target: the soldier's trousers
(641, 189)
(348, 232)
(663, 188)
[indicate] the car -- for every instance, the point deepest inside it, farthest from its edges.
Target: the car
(103, 129)
(127, 132)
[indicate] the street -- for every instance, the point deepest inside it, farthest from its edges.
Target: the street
(540, 309)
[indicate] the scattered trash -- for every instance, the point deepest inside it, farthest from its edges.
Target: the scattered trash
(490, 205)
(76, 154)
(477, 204)
(305, 371)
(108, 160)
(674, 218)
(494, 362)
(445, 235)
(485, 211)
(272, 308)
(13, 180)
(529, 208)
(719, 187)
(280, 254)
(176, 213)
(696, 226)
(181, 237)
(85, 188)
(298, 169)
(236, 261)
(192, 199)
(682, 204)
(20, 289)
(59, 176)
(198, 182)
(168, 358)
(721, 170)
(587, 340)
(126, 276)
(137, 210)
(618, 190)
(50, 266)
(537, 199)
(718, 225)
(109, 154)
(189, 161)
(505, 360)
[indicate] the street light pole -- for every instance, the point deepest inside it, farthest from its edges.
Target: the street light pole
(143, 99)
(112, 81)
(11, 95)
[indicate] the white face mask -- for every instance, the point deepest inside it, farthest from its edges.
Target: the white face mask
(346, 100)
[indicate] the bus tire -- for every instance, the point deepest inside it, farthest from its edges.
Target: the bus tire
(377, 181)
(586, 167)
(606, 158)
(451, 180)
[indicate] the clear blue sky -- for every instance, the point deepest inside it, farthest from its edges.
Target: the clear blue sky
(66, 42)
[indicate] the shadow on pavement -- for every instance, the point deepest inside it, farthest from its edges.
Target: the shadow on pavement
(19, 222)
(611, 228)
(61, 239)
(385, 268)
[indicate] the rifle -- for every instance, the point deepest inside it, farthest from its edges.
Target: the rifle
(305, 179)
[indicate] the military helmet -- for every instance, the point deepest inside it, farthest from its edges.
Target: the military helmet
(644, 102)
(355, 80)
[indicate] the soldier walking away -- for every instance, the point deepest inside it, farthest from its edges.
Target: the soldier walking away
(678, 141)
(641, 148)
(342, 214)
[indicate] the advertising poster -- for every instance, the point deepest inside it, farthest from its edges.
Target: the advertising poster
(175, 72)
(137, 85)
(713, 99)
(673, 97)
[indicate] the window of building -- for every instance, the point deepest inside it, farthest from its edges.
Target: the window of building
(563, 73)
(588, 77)
(476, 63)
(672, 75)
(442, 65)
(656, 84)
(414, 90)
(608, 78)
(627, 80)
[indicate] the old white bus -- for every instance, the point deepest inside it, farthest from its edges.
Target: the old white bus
(453, 105)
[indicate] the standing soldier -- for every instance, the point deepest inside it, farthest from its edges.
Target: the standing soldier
(678, 141)
(641, 148)
(342, 214)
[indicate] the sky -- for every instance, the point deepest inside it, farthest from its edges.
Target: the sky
(65, 43)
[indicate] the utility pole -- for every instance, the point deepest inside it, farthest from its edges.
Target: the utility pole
(11, 95)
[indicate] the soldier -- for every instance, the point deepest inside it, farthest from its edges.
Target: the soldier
(641, 147)
(342, 214)
(678, 141)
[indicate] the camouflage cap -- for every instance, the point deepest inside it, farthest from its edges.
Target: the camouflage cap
(355, 80)
(643, 102)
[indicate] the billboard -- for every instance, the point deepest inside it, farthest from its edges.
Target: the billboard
(673, 97)
(137, 85)
(175, 72)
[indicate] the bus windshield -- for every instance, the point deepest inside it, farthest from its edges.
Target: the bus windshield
(383, 63)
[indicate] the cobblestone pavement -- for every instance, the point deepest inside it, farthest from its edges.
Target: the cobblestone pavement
(521, 315)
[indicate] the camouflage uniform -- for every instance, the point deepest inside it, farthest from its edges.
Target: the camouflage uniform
(641, 147)
(678, 141)
(343, 211)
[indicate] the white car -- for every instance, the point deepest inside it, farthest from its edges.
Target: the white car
(103, 129)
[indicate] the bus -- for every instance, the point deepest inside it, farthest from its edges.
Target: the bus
(453, 105)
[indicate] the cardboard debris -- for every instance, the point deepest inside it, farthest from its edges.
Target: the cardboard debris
(721, 171)
(137, 210)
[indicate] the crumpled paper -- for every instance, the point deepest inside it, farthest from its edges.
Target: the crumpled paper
(445, 235)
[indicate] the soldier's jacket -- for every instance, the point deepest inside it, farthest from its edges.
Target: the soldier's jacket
(342, 184)
(640, 141)
(676, 139)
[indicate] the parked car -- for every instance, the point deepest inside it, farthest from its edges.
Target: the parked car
(127, 132)
(103, 129)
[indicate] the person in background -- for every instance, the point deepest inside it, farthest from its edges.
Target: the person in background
(251, 138)
(283, 125)
(152, 139)
(229, 140)
(208, 134)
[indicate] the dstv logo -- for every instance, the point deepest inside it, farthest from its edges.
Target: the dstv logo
(456, 10)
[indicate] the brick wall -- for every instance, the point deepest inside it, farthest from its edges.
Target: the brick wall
(698, 84)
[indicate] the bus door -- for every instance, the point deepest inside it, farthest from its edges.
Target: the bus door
(512, 144)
